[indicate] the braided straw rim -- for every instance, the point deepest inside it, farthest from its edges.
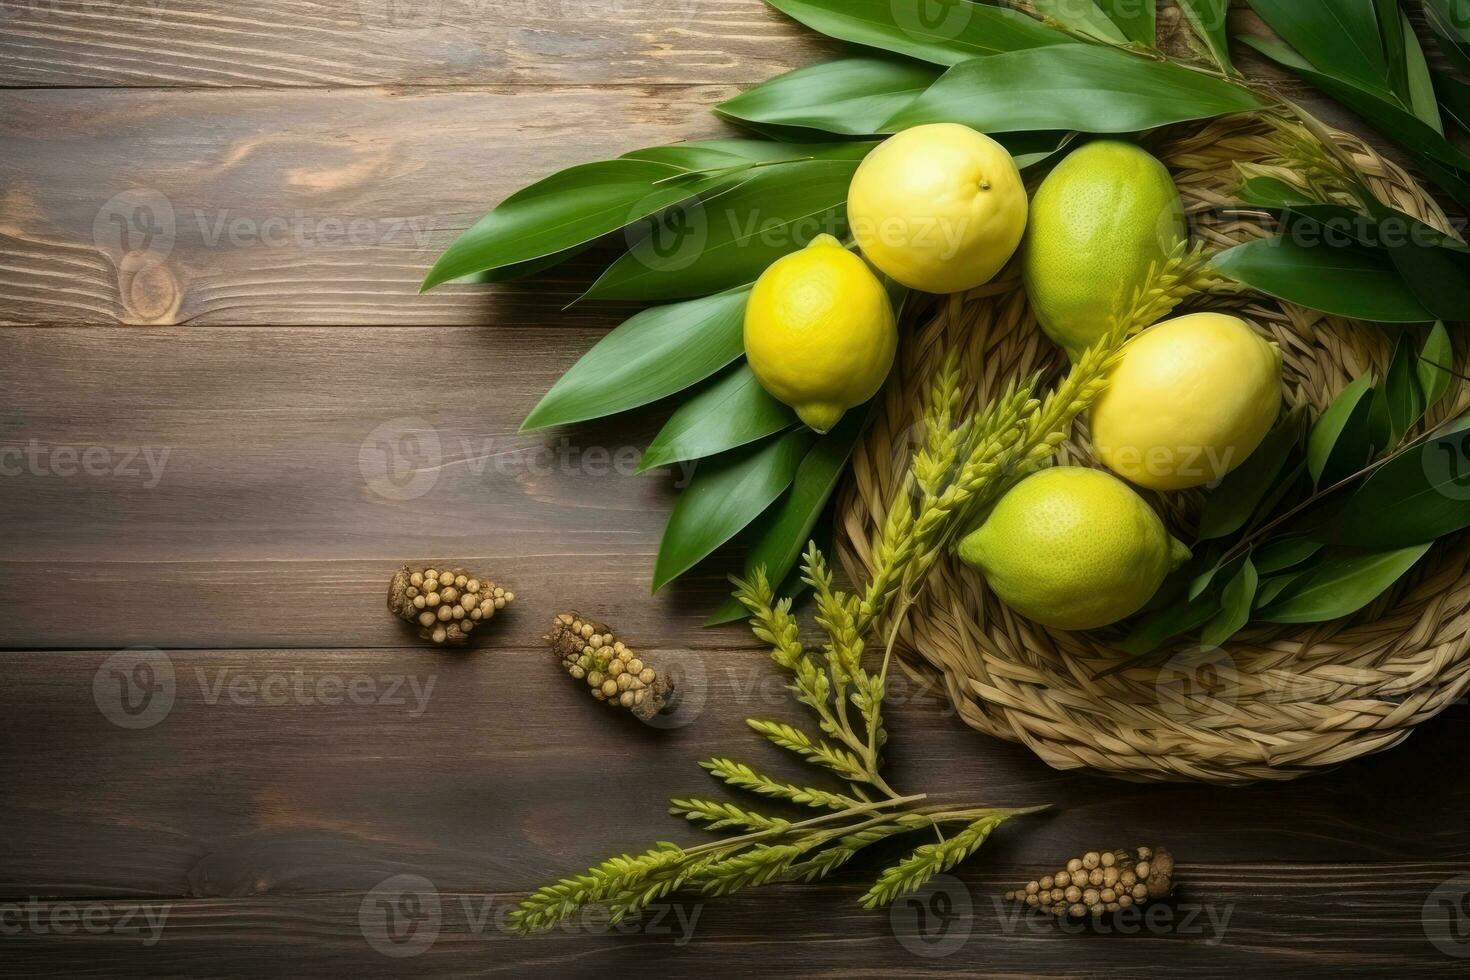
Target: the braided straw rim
(1274, 703)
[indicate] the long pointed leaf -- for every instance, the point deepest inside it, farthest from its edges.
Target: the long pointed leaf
(1207, 18)
(851, 96)
(788, 527)
(1339, 37)
(1352, 282)
(1420, 495)
(1136, 18)
(726, 494)
(1091, 89)
(1324, 445)
(1083, 16)
(569, 208)
(1341, 586)
(652, 355)
(732, 410)
(706, 246)
(944, 32)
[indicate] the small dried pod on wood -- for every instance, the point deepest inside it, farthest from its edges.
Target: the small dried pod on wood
(444, 602)
(1101, 882)
(612, 671)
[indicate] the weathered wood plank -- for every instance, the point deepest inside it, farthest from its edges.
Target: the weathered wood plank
(395, 42)
(292, 207)
(281, 771)
(1236, 919)
(259, 486)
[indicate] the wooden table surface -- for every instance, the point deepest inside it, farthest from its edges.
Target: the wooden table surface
(222, 757)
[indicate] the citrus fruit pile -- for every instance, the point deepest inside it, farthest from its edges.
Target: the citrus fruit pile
(941, 209)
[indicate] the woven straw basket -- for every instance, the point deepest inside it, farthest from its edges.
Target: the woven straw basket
(1274, 703)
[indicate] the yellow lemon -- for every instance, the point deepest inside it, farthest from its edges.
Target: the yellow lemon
(1073, 548)
(819, 331)
(939, 208)
(1099, 221)
(1189, 401)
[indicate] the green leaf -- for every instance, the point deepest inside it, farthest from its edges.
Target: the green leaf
(569, 208)
(1340, 586)
(717, 154)
(1436, 268)
(1279, 555)
(1136, 18)
(851, 96)
(1395, 51)
(1420, 84)
(1235, 607)
(1444, 162)
(704, 246)
(1207, 19)
(1454, 99)
(1329, 430)
(1419, 495)
(1402, 398)
(732, 410)
(1451, 31)
(1436, 360)
(1352, 281)
(1270, 588)
(726, 494)
(1087, 88)
(1270, 192)
(654, 354)
(944, 32)
(1339, 37)
(1082, 16)
(1155, 629)
(1230, 505)
(789, 525)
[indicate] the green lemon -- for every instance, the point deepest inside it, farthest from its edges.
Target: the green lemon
(1098, 222)
(1073, 548)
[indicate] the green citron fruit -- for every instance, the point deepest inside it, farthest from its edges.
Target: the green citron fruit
(820, 333)
(1106, 214)
(1073, 548)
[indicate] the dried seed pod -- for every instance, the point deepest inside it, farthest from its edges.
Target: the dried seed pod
(1101, 882)
(607, 666)
(439, 609)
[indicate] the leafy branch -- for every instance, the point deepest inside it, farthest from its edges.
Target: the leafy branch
(846, 701)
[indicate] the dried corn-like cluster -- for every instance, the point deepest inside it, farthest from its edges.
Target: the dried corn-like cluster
(1100, 882)
(446, 605)
(612, 671)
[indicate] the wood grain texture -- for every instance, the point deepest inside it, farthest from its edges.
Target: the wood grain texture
(259, 486)
(1237, 919)
(292, 207)
(321, 43)
(287, 170)
(275, 778)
